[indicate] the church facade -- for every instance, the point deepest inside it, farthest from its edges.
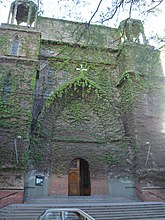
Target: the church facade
(83, 109)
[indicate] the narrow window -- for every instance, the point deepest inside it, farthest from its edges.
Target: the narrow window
(15, 46)
(63, 77)
(37, 74)
(50, 77)
(7, 86)
(50, 83)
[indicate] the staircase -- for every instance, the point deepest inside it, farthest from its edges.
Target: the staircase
(100, 208)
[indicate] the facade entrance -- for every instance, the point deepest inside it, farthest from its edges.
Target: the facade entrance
(79, 178)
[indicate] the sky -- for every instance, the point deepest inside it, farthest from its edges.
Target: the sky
(69, 10)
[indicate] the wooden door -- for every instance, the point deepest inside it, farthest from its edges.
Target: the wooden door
(74, 178)
(79, 178)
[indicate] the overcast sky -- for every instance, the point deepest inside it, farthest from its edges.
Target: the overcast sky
(67, 9)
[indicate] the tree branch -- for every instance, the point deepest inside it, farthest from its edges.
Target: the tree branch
(98, 6)
(151, 9)
(115, 10)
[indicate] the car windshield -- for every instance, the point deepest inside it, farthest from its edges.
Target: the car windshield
(52, 216)
(71, 215)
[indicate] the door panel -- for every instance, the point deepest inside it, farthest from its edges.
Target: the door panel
(79, 178)
(74, 188)
(74, 178)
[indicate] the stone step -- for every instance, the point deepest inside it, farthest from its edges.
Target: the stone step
(80, 199)
(97, 214)
(103, 207)
(102, 211)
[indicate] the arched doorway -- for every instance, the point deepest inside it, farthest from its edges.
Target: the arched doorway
(79, 178)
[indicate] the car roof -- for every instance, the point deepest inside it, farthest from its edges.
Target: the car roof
(65, 209)
(68, 209)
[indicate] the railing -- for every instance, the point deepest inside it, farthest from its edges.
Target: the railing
(138, 190)
(11, 194)
(157, 195)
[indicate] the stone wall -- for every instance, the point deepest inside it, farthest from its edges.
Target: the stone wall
(17, 83)
(77, 33)
(29, 42)
(16, 110)
(143, 98)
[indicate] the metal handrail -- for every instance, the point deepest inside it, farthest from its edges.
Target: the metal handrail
(6, 196)
(153, 187)
(138, 190)
(156, 195)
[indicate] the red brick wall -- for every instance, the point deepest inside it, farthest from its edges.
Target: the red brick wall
(59, 185)
(8, 197)
(99, 186)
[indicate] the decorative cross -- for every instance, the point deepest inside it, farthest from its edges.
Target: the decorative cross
(81, 69)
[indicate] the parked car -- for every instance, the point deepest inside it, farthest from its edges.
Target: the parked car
(64, 214)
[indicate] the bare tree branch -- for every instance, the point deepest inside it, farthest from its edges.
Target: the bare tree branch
(153, 8)
(98, 6)
(115, 11)
(130, 9)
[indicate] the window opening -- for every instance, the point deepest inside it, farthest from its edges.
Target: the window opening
(50, 83)
(7, 86)
(64, 77)
(37, 74)
(15, 46)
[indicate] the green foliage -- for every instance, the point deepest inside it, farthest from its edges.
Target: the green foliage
(25, 159)
(86, 108)
(132, 86)
(77, 84)
(3, 40)
(112, 159)
(15, 109)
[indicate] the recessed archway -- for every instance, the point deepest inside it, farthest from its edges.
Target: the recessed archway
(79, 183)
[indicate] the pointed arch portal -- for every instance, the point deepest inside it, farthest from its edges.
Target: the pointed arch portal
(79, 183)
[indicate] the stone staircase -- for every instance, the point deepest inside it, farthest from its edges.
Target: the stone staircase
(102, 208)
(80, 199)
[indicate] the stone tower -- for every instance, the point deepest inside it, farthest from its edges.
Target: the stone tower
(18, 67)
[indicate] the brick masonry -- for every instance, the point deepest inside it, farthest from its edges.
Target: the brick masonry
(8, 197)
(59, 185)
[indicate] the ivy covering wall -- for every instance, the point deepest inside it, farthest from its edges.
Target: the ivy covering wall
(17, 83)
(72, 99)
(82, 113)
